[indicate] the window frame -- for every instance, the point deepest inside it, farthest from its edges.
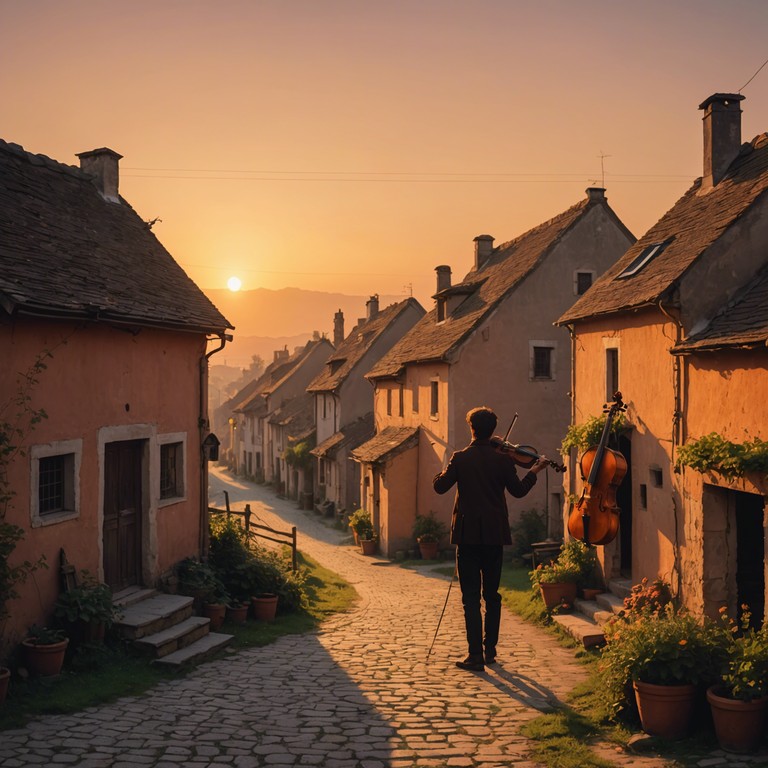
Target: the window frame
(434, 398)
(64, 448)
(533, 345)
(163, 441)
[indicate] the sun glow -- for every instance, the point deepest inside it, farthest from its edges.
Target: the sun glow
(234, 284)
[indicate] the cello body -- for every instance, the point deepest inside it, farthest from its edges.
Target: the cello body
(598, 502)
(595, 518)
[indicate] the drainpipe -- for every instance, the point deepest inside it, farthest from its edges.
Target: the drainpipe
(571, 455)
(203, 426)
(677, 438)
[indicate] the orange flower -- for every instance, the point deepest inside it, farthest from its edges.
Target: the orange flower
(683, 642)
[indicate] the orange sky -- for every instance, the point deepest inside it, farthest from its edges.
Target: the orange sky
(356, 145)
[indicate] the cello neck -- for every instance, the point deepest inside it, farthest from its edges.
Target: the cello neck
(615, 407)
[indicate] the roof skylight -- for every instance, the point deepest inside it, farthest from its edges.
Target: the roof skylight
(641, 260)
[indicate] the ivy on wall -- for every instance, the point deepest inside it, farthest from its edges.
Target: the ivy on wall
(714, 453)
(583, 436)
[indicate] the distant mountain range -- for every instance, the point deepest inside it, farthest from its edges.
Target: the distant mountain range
(266, 320)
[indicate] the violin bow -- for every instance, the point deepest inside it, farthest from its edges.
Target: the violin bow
(510, 427)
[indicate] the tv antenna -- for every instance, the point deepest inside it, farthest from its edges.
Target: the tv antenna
(602, 157)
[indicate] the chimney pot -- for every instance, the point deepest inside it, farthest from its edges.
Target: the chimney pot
(103, 166)
(483, 249)
(443, 277)
(596, 194)
(372, 307)
(722, 135)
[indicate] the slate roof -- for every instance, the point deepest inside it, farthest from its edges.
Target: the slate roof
(65, 252)
(362, 337)
(387, 444)
(352, 435)
(743, 323)
(691, 226)
(295, 360)
(508, 264)
(297, 416)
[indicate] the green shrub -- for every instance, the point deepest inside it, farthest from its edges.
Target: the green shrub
(427, 528)
(530, 528)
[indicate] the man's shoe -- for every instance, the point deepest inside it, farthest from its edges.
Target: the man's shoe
(490, 657)
(471, 664)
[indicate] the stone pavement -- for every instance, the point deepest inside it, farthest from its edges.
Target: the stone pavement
(358, 694)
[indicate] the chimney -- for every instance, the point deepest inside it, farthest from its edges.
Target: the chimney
(338, 329)
(282, 354)
(102, 165)
(372, 307)
(443, 277)
(483, 249)
(596, 194)
(722, 135)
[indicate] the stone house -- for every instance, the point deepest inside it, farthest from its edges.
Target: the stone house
(115, 475)
(679, 324)
(489, 340)
(343, 398)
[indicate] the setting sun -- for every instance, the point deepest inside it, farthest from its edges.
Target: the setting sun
(234, 283)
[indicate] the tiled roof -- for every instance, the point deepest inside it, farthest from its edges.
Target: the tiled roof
(362, 337)
(386, 444)
(295, 360)
(743, 323)
(352, 435)
(251, 397)
(297, 415)
(66, 252)
(507, 265)
(691, 226)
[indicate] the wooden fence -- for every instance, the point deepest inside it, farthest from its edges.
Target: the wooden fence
(259, 531)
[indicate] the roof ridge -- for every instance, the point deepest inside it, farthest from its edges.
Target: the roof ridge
(40, 159)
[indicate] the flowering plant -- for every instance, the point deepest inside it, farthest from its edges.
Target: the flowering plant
(575, 563)
(664, 647)
(653, 596)
(744, 670)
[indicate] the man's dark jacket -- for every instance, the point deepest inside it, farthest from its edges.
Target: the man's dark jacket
(482, 473)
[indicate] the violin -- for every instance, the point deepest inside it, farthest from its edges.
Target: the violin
(595, 518)
(523, 455)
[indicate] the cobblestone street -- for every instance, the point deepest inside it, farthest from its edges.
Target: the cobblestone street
(358, 694)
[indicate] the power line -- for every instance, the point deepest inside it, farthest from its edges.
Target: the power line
(753, 76)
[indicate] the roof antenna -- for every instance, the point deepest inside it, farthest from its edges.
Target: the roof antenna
(602, 157)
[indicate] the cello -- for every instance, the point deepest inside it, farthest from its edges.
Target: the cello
(595, 518)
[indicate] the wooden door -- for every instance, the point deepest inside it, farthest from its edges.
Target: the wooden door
(122, 513)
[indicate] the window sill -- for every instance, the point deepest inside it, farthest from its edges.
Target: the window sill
(54, 517)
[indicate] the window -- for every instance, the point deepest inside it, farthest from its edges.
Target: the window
(54, 478)
(415, 398)
(321, 471)
(583, 282)
(325, 407)
(541, 361)
(644, 257)
(401, 403)
(643, 496)
(441, 310)
(611, 372)
(389, 401)
(657, 477)
(172, 470)
(56, 491)
(433, 400)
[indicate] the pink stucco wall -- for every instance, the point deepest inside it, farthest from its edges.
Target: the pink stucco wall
(103, 384)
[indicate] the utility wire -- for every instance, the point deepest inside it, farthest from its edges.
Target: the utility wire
(753, 77)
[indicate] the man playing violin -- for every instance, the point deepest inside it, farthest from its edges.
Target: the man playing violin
(480, 527)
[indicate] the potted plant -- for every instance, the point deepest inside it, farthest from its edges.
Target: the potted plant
(198, 580)
(44, 650)
(87, 608)
(264, 606)
(215, 605)
(361, 524)
(428, 531)
(739, 700)
(662, 656)
(559, 581)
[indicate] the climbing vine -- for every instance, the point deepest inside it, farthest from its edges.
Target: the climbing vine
(713, 452)
(582, 436)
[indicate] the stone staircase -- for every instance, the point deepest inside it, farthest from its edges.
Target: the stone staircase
(164, 628)
(585, 624)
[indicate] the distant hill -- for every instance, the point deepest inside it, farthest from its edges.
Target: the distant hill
(266, 320)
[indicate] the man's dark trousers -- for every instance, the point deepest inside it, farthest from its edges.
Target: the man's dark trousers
(479, 567)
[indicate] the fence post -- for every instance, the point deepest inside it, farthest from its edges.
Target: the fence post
(247, 514)
(226, 501)
(294, 560)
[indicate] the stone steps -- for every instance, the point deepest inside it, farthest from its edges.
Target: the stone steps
(163, 626)
(586, 624)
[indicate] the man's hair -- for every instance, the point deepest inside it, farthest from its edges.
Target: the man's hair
(482, 421)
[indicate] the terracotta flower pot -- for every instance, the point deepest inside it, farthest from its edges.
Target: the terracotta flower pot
(368, 546)
(45, 660)
(665, 710)
(557, 593)
(215, 612)
(5, 679)
(428, 550)
(237, 614)
(739, 725)
(264, 606)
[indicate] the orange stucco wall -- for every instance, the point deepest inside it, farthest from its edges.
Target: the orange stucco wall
(103, 384)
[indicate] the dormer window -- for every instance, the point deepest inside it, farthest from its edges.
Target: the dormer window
(646, 255)
(441, 310)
